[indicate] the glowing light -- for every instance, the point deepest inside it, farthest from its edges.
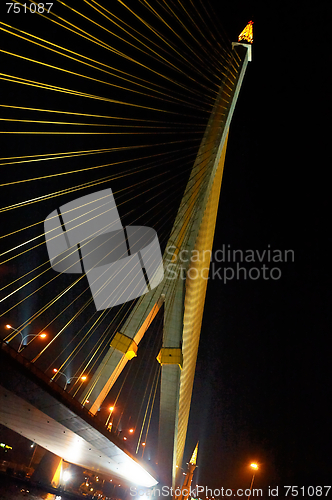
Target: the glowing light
(137, 474)
(84, 377)
(55, 370)
(254, 466)
(111, 408)
(246, 35)
(131, 431)
(9, 326)
(143, 444)
(75, 451)
(194, 456)
(6, 446)
(42, 335)
(66, 476)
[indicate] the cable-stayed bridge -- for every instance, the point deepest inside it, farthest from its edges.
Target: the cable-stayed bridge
(31, 401)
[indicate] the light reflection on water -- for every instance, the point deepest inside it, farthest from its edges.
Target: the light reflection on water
(12, 491)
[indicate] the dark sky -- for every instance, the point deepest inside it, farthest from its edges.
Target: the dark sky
(263, 383)
(262, 388)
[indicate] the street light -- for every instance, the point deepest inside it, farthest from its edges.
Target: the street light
(110, 409)
(107, 424)
(41, 335)
(254, 466)
(68, 379)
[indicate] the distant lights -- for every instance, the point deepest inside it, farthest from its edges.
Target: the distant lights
(254, 466)
(6, 446)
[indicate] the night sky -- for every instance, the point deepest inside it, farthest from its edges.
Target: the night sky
(263, 381)
(263, 384)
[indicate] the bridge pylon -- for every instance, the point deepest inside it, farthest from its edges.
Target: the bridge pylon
(186, 266)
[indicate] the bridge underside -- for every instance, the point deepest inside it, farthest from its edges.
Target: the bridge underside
(36, 410)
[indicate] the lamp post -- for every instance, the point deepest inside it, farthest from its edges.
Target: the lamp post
(107, 424)
(41, 335)
(68, 379)
(254, 466)
(110, 409)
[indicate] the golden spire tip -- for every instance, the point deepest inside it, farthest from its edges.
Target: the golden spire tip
(246, 35)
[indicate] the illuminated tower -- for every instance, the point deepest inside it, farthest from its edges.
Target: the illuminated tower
(185, 490)
(182, 299)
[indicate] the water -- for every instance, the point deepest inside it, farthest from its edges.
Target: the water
(14, 489)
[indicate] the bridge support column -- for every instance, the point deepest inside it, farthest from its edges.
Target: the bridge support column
(170, 357)
(48, 471)
(193, 230)
(171, 360)
(123, 347)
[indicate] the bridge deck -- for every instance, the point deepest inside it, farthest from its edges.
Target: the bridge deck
(33, 405)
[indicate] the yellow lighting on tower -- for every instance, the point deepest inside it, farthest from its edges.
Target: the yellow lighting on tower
(194, 456)
(246, 35)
